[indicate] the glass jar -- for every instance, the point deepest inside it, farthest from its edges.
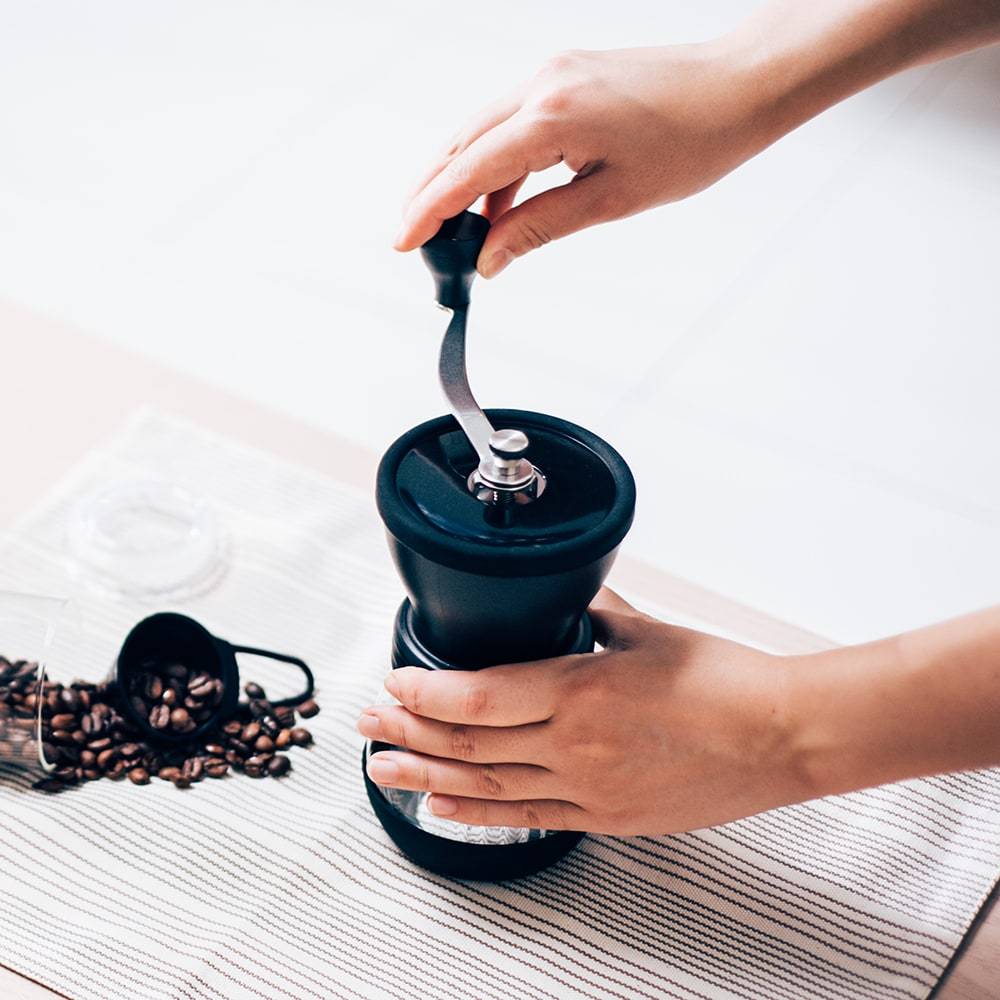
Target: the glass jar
(29, 625)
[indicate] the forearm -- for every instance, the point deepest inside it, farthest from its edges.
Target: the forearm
(801, 58)
(922, 703)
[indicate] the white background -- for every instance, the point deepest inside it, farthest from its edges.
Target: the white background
(801, 364)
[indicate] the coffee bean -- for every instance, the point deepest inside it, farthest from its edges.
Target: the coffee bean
(116, 771)
(130, 749)
(106, 758)
(254, 690)
(63, 721)
(159, 717)
(201, 687)
(300, 737)
(176, 672)
(91, 773)
(278, 765)
(308, 709)
(181, 781)
(153, 687)
(233, 758)
(240, 747)
(284, 739)
(169, 697)
(49, 785)
(138, 776)
(263, 744)
(168, 773)
(193, 769)
(258, 709)
(233, 728)
(270, 725)
(88, 758)
(62, 736)
(285, 714)
(102, 744)
(214, 749)
(179, 718)
(92, 725)
(250, 732)
(216, 768)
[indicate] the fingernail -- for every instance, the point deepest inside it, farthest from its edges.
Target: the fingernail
(392, 684)
(369, 725)
(382, 772)
(441, 805)
(495, 263)
(397, 241)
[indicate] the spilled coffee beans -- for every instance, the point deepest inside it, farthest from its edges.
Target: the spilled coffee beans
(87, 738)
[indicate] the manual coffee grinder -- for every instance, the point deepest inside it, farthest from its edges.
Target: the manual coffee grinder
(503, 525)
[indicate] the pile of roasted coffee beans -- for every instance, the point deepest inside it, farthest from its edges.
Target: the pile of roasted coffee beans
(87, 738)
(174, 699)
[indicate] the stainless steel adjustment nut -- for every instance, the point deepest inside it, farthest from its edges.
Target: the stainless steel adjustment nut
(504, 474)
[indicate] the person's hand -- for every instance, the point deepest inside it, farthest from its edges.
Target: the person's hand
(638, 127)
(665, 729)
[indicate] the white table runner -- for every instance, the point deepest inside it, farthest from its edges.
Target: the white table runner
(269, 889)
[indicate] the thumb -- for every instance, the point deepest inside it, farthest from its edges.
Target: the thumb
(545, 217)
(616, 623)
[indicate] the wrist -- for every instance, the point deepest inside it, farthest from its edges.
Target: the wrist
(769, 87)
(848, 719)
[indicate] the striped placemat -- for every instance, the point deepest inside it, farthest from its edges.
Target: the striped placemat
(237, 888)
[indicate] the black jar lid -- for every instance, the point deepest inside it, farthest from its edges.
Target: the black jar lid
(583, 513)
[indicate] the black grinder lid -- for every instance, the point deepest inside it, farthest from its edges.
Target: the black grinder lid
(583, 513)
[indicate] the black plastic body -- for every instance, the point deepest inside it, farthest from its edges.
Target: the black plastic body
(168, 637)
(475, 602)
(471, 620)
(451, 256)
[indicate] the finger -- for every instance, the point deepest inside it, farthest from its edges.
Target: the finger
(476, 744)
(491, 116)
(616, 623)
(498, 202)
(512, 695)
(533, 814)
(497, 158)
(420, 773)
(562, 210)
